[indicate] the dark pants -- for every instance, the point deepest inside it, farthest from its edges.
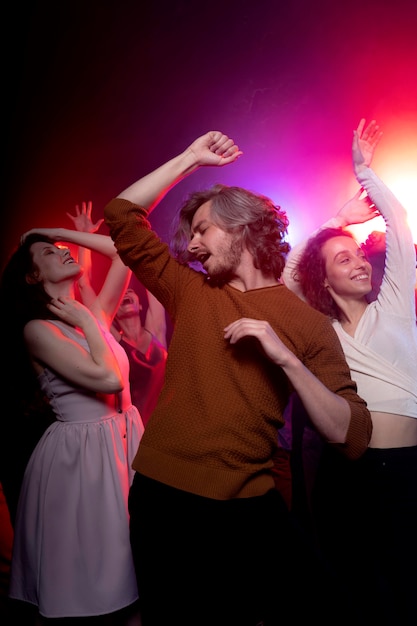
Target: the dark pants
(238, 562)
(366, 519)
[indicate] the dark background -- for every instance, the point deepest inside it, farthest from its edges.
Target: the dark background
(97, 94)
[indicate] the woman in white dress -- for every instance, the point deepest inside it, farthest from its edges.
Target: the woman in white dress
(71, 553)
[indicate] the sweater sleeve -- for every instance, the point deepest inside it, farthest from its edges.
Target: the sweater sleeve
(141, 249)
(359, 433)
(327, 361)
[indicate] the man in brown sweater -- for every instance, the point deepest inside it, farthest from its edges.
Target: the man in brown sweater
(206, 520)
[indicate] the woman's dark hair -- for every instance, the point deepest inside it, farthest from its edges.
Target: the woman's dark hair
(311, 272)
(22, 300)
(25, 300)
(27, 411)
(261, 224)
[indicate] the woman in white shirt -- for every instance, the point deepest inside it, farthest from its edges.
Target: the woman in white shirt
(366, 511)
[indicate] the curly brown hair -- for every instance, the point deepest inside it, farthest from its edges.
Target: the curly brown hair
(311, 272)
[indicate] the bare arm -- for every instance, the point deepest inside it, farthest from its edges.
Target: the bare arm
(96, 370)
(94, 241)
(82, 222)
(105, 303)
(155, 321)
(212, 149)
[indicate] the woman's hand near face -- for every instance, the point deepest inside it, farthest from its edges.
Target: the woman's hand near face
(71, 311)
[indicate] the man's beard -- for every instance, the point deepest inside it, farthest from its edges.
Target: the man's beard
(225, 271)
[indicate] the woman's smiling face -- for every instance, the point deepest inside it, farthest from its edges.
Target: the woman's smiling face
(348, 272)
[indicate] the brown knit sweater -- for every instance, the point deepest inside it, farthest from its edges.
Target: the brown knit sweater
(214, 429)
